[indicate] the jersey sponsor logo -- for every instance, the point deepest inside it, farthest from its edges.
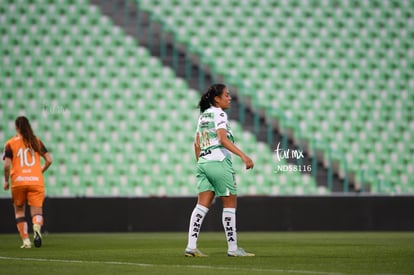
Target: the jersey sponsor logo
(222, 114)
(27, 178)
(205, 153)
(207, 115)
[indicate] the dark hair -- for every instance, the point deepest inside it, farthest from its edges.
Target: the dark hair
(29, 139)
(207, 99)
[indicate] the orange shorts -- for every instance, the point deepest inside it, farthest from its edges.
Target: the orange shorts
(34, 194)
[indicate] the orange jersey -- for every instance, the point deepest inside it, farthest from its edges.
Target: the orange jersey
(26, 166)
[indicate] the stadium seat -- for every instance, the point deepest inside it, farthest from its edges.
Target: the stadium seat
(319, 53)
(102, 90)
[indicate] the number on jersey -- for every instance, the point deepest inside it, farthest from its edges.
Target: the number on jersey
(26, 156)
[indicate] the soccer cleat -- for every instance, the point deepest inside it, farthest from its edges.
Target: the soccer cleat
(37, 235)
(26, 244)
(194, 253)
(239, 253)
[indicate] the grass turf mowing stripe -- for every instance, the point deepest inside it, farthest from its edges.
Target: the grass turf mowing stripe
(276, 253)
(222, 268)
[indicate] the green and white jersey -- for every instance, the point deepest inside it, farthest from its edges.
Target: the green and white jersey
(209, 122)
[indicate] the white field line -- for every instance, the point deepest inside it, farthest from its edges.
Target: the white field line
(171, 266)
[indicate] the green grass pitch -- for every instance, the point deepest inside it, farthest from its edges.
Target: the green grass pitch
(322, 253)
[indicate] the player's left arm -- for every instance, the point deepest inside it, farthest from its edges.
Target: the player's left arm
(48, 161)
(197, 148)
(46, 156)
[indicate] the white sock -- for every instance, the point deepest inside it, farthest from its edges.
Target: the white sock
(229, 224)
(196, 221)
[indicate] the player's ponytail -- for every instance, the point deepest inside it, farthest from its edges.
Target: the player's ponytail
(25, 129)
(207, 99)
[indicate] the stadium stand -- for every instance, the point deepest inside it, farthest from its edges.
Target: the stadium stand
(117, 122)
(342, 71)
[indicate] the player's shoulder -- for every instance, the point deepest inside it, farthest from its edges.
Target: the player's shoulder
(10, 143)
(218, 112)
(13, 139)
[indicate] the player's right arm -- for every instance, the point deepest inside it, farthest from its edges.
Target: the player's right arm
(226, 143)
(7, 157)
(220, 122)
(7, 166)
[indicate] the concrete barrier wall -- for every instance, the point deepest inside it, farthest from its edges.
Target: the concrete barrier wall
(326, 213)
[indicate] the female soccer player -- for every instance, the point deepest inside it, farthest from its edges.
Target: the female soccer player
(215, 174)
(22, 163)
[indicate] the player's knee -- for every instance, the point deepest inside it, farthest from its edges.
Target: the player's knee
(34, 210)
(20, 219)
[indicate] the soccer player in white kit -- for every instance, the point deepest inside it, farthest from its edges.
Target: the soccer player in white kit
(213, 145)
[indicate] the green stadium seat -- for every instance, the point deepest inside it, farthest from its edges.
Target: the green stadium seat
(280, 62)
